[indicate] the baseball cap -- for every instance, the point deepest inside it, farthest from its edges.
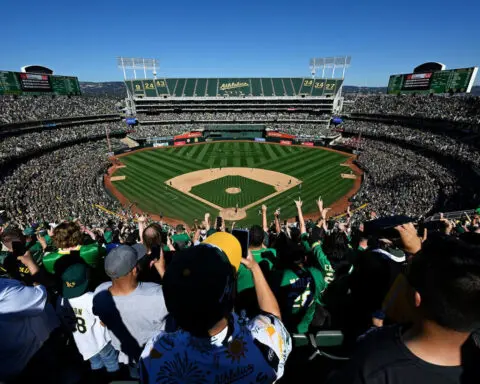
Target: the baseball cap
(229, 244)
(30, 231)
(199, 283)
(108, 236)
(121, 260)
(74, 281)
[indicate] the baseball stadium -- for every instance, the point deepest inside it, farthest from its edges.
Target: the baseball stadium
(239, 229)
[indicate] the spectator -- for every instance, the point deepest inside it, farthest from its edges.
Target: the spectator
(132, 311)
(68, 237)
(75, 309)
(27, 322)
(180, 239)
(445, 287)
(213, 342)
(246, 296)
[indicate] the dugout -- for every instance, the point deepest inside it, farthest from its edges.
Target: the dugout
(233, 131)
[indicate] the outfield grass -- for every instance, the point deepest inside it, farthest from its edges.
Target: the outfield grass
(147, 171)
(251, 191)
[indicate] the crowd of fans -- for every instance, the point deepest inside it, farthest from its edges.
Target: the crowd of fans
(15, 109)
(15, 146)
(454, 108)
(300, 130)
(401, 180)
(232, 116)
(440, 143)
(139, 299)
(88, 296)
(64, 183)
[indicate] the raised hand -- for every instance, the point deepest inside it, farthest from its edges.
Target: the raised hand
(264, 208)
(411, 243)
(324, 212)
(320, 203)
(298, 202)
(277, 213)
(249, 262)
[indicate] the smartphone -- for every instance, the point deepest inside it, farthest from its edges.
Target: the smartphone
(243, 236)
(18, 248)
(219, 222)
(285, 222)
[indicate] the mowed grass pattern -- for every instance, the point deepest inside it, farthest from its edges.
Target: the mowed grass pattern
(147, 172)
(215, 191)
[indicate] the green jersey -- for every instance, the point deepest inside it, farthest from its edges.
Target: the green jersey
(36, 249)
(264, 257)
(298, 291)
(92, 254)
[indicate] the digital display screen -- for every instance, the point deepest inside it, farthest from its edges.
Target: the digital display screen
(34, 82)
(417, 81)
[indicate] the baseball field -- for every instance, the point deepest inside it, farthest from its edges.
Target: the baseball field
(232, 179)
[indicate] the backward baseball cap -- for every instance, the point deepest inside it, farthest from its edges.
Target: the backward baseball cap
(121, 260)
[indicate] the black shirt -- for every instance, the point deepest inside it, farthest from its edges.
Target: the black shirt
(383, 358)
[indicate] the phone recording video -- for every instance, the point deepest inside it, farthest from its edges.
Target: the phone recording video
(243, 236)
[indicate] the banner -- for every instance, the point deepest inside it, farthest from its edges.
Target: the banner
(179, 143)
(308, 143)
(280, 135)
(189, 135)
(285, 142)
(260, 139)
(155, 145)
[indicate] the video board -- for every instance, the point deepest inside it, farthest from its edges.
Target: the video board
(449, 81)
(20, 83)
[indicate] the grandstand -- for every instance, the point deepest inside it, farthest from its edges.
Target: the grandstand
(278, 103)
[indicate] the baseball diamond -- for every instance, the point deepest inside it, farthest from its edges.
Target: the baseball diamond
(199, 175)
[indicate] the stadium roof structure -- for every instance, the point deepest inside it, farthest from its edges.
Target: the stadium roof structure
(234, 88)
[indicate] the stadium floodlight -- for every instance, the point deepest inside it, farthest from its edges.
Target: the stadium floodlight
(334, 62)
(139, 63)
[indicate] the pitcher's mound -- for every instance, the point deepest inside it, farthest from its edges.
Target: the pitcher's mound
(233, 191)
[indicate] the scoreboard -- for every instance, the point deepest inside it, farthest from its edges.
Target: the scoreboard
(448, 81)
(20, 83)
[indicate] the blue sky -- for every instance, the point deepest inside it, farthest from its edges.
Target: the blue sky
(233, 38)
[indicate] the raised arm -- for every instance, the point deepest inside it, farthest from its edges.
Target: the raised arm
(265, 297)
(207, 221)
(323, 214)
(299, 203)
(264, 218)
(278, 228)
(141, 226)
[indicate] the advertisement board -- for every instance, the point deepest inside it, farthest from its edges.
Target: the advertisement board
(308, 144)
(179, 143)
(155, 145)
(285, 142)
(280, 135)
(189, 135)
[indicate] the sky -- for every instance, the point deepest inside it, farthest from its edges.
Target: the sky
(230, 38)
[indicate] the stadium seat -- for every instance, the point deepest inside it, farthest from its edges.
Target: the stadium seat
(300, 340)
(323, 339)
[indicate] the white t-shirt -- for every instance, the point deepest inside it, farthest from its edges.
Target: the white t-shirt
(26, 321)
(245, 351)
(89, 334)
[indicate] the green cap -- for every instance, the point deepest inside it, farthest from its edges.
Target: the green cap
(478, 211)
(29, 231)
(75, 281)
(108, 236)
